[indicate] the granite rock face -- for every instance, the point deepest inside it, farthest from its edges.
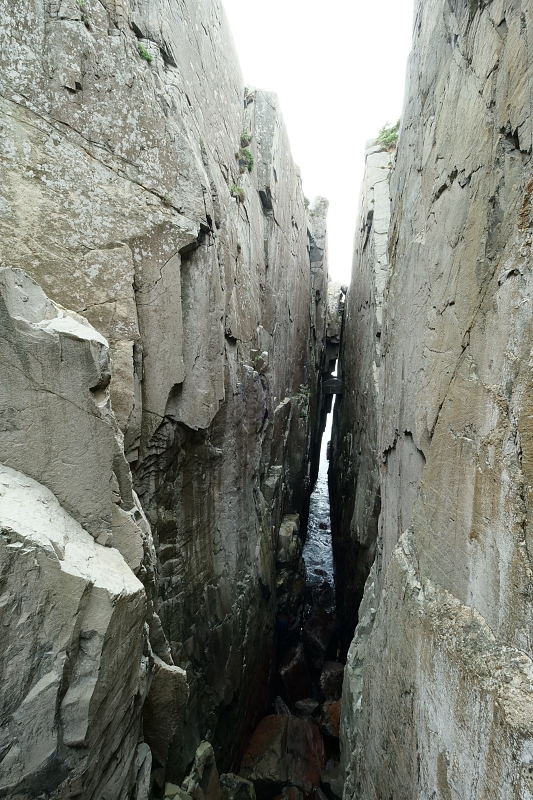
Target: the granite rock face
(124, 196)
(439, 687)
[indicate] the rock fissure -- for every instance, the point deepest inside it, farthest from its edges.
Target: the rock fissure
(194, 621)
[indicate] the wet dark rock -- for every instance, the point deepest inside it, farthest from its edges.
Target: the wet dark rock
(290, 793)
(306, 755)
(295, 675)
(332, 781)
(331, 679)
(317, 636)
(307, 707)
(290, 594)
(331, 719)
(236, 788)
(281, 707)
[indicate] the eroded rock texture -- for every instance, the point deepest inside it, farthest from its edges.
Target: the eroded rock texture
(126, 195)
(447, 703)
(75, 662)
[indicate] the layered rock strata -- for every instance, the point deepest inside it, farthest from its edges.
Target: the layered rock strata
(146, 190)
(75, 658)
(437, 698)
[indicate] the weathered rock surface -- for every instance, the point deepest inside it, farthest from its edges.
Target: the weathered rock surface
(123, 197)
(73, 681)
(75, 662)
(439, 690)
(354, 481)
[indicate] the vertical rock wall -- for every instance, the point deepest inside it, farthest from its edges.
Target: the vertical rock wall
(354, 460)
(447, 705)
(126, 195)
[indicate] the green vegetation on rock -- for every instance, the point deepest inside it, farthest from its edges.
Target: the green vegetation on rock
(246, 160)
(238, 193)
(388, 136)
(144, 53)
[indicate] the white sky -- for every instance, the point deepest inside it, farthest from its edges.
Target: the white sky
(338, 67)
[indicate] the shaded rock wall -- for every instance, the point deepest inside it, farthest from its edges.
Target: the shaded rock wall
(354, 461)
(122, 195)
(446, 706)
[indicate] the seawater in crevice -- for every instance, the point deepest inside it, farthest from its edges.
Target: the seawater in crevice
(318, 550)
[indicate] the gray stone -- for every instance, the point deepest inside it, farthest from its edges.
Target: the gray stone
(442, 656)
(202, 782)
(116, 197)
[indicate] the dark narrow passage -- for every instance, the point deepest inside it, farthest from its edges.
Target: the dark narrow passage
(294, 752)
(318, 551)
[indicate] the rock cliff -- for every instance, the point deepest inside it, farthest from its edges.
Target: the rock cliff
(437, 698)
(354, 463)
(165, 424)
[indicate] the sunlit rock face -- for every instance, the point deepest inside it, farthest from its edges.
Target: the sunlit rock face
(446, 707)
(124, 195)
(75, 661)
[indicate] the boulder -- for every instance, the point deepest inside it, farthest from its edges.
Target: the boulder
(284, 751)
(174, 792)
(265, 762)
(289, 542)
(202, 782)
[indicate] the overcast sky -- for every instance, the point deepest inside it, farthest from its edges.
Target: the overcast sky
(338, 67)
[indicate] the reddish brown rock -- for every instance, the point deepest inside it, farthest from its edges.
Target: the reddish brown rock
(306, 755)
(317, 635)
(295, 675)
(331, 679)
(283, 752)
(265, 761)
(331, 718)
